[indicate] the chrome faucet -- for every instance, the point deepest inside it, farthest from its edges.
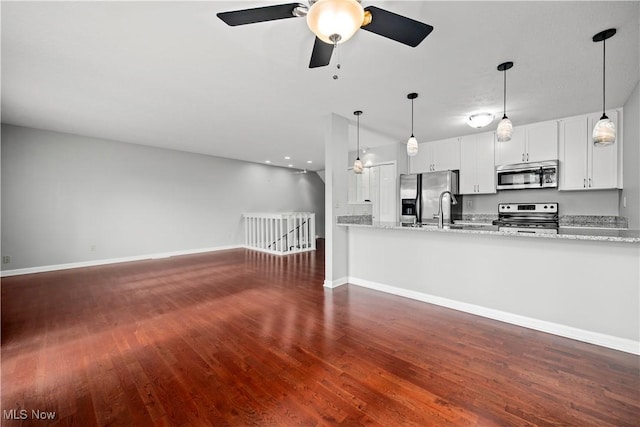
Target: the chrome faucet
(440, 212)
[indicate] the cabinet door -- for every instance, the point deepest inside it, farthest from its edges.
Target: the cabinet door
(363, 185)
(512, 151)
(352, 189)
(486, 172)
(573, 153)
(603, 165)
(542, 142)
(388, 199)
(468, 165)
(422, 161)
(374, 191)
(446, 154)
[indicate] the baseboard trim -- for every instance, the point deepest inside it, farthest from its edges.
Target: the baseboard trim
(331, 284)
(603, 340)
(93, 263)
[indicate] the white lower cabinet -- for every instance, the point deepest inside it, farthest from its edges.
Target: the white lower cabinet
(477, 172)
(584, 165)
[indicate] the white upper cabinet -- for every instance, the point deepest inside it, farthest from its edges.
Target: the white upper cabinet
(477, 172)
(584, 165)
(532, 143)
(436, 156)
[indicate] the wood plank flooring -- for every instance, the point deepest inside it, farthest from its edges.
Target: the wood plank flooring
(241, 338)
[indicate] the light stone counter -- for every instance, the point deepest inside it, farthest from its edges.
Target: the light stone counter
(571, 233)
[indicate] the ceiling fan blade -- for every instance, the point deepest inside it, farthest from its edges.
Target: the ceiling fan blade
(321, 55)
(396, 27)
(258, 14)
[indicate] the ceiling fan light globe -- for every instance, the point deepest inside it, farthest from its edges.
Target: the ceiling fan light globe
(504, 131)
(357, 166)
(330, 18)
(604, 132)
(412, 146)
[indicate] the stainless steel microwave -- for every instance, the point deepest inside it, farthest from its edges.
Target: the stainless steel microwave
(527, 175)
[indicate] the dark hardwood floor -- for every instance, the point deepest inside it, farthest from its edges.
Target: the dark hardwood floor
(243, 338)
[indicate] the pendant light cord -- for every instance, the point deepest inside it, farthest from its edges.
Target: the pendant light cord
(504, 99)
(412, 118)
(358, 153)
(604, 61)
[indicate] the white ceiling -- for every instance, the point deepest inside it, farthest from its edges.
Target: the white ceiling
(171, 74)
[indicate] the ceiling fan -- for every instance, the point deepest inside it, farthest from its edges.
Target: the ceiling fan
(334, 22)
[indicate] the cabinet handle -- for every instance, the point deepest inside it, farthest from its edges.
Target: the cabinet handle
(527, 157)
(478, 188)
(584, 183)
(590, 182)
(523, 157)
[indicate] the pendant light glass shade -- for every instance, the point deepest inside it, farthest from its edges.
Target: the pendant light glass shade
(357, 165)
(604, 132)
(412, 146)
(505, 130)
(335, 21)
(412, 143)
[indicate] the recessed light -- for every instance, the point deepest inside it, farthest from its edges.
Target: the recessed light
(287, 158)
(290, 166)
(309, 161)
(267, 161)
(479, 120)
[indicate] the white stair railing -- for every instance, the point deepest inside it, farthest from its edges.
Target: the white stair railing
(280, 233)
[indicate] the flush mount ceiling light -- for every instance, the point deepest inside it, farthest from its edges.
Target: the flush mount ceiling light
(505, 128)
(604, 132)
(412, 143)
(479, 120)
(357, 165)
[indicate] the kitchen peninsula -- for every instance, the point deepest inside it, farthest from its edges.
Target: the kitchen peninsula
(581, 283)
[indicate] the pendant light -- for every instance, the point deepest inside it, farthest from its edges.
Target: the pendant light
(505, 128)
(357, 165)
(412, 143)
(604, 132)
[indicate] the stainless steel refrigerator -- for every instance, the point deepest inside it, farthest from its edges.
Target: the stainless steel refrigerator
(420, 196)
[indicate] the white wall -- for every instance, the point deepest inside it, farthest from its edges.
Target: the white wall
(63, 195)
(586, 290)
(631, 159)
(336, 137)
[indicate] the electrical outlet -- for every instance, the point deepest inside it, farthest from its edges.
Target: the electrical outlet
(6, 259)
(92, 248)
(469, 203)
(624, 202)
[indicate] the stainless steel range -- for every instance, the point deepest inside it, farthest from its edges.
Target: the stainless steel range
(535, 218)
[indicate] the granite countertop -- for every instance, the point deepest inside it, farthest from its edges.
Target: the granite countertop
(574, 232)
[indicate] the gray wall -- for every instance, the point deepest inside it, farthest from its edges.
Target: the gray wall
(597, 202)
(631, 159)
(69, 198)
